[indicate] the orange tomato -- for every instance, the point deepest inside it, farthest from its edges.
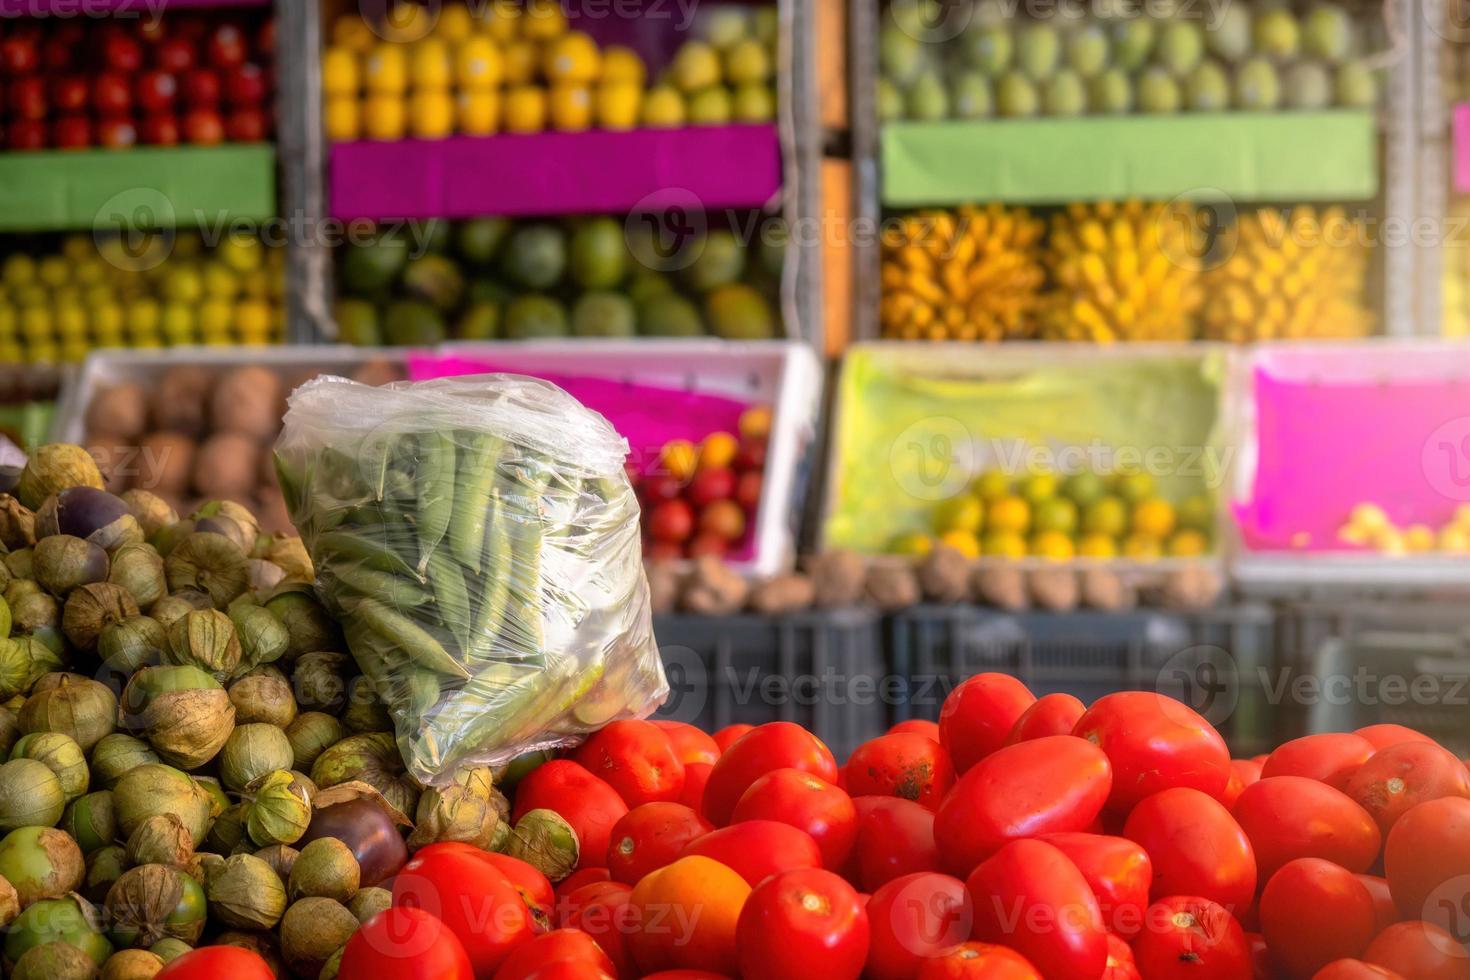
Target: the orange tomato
(687, 914)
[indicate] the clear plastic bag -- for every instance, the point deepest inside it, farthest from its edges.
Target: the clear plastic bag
(479, 542)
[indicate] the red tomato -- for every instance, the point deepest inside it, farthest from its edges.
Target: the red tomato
(575, 880)
(757, 849)
(1117, 870)
(1385, 913)
(570, 970)
(590, 805)
(1427, 863)
(978, 961)
(1404, 775)
(1288, 817)
(913, 767)
(552, 947)
(1121, 965)
(1354, 970)
(916, 726)
(398, 942)
(729, 735)
(651, 836)
(1382, 736)
(1196, 848)
(1188, 937)
(1330, 758)
(776, 745)
(690, 744)
(637, 759)
(609, 917)
(806, 803)
(913, 918)
(802, 924)
(1051, 714)
(696, 777)
(894, 838)
(1419, 951)
(684, 975)
(979, 714)
(214, 962)
(1155, 743)
(1261, 966)
(1030, 897)
(534, 886)
(1047, 785)
(470, 896)
(1314, 912)
(1243, 772)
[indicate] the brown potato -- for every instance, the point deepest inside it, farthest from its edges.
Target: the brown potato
(165, 463)
(226, 466)
(120, 411)
(247, 401)
(179, 400)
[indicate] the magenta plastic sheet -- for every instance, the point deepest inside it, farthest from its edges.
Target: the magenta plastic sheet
(1324, 446)
(1462, 147)
(593, 172)
(648, 416)
(93, 8)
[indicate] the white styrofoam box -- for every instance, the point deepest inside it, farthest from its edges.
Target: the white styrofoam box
(784, 374)
(1371, 360)
(964, 360)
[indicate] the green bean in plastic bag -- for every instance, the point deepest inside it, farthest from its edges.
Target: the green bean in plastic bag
(479, 541)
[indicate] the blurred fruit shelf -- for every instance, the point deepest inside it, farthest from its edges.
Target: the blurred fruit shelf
(1329, 155)
(1461, 132)
(598, 171)
(69, 8)
(161, 185)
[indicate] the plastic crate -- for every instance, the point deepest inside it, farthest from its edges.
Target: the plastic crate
(1417, 679)
(822, 670)
(1213, 661)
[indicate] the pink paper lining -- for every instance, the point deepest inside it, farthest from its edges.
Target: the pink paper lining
(648, 416)
(1324, 447)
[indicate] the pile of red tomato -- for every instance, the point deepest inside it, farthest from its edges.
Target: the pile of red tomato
(1017, 839)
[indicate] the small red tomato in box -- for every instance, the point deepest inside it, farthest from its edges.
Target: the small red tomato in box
(122, 52)
(226, 46)
(57, 54)
(71, 132)
(26, 98)
(708, 544)
(752, 455)
(660, 486)
(69, 93)
(748, 491)
(710, 485)
(246, 85)
(246, 126)
(204, 127)
(160, 129)
(265, 41)
(112, 94)
(202, 88)
(723, 518)
(25, 134)
(156, 90)
(19, 56)
(175, 54)
(672, 520)
(117, 134)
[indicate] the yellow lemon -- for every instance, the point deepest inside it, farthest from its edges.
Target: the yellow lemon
(53, 271)
(9, 320)
(753, 104)
(353, 33)
(1368, 517)
(11, 353)
(679, 458)
(386, 70)
(78, 248)
(106, 318)
(408, 22)
(502, 21)
(573, 57)
(43, 354)
(69, 321)
(1153, 517)
(431, 114)
(912, 543)
(518, 62)
(142, 317)
(1053, 545)
(479, 112)
(1056, 514)
(543, 20)
(220, 281)
(1037, 487)
(178, 323)
(384, 117)
(1454, 539)
(1009, 514)
(1004, 544)
(710, 106)
(1134, 487)
(1097, 546)
(242, 253)
(1106, 515)
(215, 316)
(965, 542)
(1142, 547)
(1419, 537)
(254, 318)
(455, 23)
(747, 61)
(622, 64)
(618, 104)
(433, 65)
(1188, 543)
(18, 270)
(74, 351)
(341, 71)
(525, 109)
(663, 107)
(696, 66)
(342, 117)
(570, 107)
(992, 485)
(1197, 513)
(477, 63)
(963, 513)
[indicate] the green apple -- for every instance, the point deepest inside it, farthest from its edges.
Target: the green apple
(1087, 50)
(1308, 85)
(1064, 94)
(1158, 92)
(1111, 92)
(1015, 96)
(1257, 85)
(970, 96)
(1181, 45)
(1207, 88)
